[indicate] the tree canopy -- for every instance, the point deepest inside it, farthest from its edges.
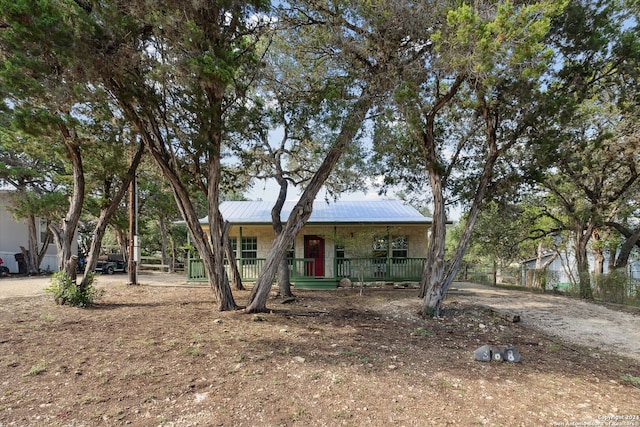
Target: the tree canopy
(488, 107)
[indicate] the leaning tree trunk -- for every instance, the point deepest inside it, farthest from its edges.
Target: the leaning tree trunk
(302, 210)
(299, 216)
(106, 213)
(631, 240)
(94, 249)
(211, 251)
(437, 290)
(439, 283)
(236, 279)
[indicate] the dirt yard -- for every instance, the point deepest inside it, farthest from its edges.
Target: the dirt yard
(160, 355)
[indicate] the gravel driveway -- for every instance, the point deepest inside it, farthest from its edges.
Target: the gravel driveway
(15, 286)
(577, 321)
(574, 320)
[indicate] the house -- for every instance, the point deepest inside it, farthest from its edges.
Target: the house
(561, 270)
(556, 270)
(15, 233)
(363, 241)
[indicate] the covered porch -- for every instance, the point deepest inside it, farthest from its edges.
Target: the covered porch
(302, 271)
(365, 242)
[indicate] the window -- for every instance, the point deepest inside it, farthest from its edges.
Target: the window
(400, 247)
(380, 245)
(249, 247)
(233, 242)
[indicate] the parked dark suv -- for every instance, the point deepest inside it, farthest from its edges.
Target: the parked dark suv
(112, 263)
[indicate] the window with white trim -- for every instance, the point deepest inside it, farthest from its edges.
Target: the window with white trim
(249, 247)
(380, 245)
(400, 247)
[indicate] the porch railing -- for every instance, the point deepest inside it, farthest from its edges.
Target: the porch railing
(356, 269)
(250, 269)
(380, 269)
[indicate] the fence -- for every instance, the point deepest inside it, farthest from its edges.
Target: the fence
(489, 275)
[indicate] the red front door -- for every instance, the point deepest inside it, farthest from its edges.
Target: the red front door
(314, 248)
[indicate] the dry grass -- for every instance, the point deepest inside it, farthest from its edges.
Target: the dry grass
(149, 356)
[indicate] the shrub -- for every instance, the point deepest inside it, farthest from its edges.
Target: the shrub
(66, 292)
(612, 287)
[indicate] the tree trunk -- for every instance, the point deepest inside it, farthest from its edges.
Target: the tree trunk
(539, 256)
(582, 235)
(213, 260)
(438, 280)
(34, 254)
(541, 271)
(64, 233)
(219, 279)
(598, 269)
(299, 216)
(106, 212)
(434, 263)
(172, 246)
(94, 248)
(284, 281)
(631, 239)
(430, 286)
(211, 249)
(535, 279)
(598, 265)
(436, 293)
(163, 241)
(236, 278)
(302, 210)
(124, 242)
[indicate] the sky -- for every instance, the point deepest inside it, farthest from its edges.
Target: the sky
(268, 192)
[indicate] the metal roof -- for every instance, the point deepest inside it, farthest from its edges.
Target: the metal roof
(339, 212)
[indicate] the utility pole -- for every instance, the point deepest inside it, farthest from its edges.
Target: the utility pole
(133, 232)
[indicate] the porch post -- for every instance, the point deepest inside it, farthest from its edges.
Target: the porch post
(389, 252)
(239, 261)
(335, 253)
(188, 265)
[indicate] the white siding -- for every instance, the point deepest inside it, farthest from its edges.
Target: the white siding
(15, 233)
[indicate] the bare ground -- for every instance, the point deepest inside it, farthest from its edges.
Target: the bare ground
(161, 355)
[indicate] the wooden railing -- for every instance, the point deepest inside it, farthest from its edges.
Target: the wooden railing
(366, 269)
(152, 262)
(380, 269)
